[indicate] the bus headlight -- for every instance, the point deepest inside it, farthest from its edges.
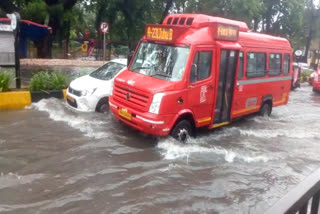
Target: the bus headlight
(156, 102)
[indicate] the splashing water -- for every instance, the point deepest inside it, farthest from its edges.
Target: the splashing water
(58, 112)
(171, 150)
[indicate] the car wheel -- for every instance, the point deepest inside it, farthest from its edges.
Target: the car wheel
(182, 131)
(103, 106)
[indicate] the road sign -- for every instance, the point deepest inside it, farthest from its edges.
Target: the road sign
(104, 27)
(298, 52)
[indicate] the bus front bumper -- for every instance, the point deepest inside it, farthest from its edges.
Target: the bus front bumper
(145, 122)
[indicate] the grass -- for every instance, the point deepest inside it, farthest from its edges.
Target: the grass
(44, 81)
(5, 80)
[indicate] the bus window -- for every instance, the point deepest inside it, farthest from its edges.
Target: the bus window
(275, 63)
(256, 64)
(240, 68)
(286, 69)
(201, 63)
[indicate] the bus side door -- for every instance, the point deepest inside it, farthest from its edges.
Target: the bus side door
(225, 88)
(201, 85)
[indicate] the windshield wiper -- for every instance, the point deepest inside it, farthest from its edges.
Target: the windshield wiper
(134, 69)
(160, 74)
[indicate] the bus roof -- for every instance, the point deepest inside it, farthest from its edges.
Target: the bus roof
(252, 39)
(200, 20)
(199, 29)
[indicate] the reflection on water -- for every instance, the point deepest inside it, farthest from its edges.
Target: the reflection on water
(55, 160)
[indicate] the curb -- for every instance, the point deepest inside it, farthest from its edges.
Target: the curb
(21, 99)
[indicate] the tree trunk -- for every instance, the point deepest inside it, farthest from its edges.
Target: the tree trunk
(166, 10)
(268, 20)
(255, 24)
(309, 38)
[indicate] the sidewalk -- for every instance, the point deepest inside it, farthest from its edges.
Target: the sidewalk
(60, 62)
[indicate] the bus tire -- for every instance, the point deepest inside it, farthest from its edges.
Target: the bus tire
(103, 105)
(182, 131)
(265, 110)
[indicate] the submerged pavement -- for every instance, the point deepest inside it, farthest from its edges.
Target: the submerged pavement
(54, 160)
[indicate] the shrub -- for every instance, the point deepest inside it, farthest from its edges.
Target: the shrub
(43, 81)
(5, 80)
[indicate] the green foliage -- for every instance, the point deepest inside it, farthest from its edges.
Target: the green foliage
(121, 50)
(306, 73)
(5, 80)
(35, 10)
(43, 81)
(292, 19)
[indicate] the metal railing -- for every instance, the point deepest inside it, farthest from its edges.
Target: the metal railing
(303, 199)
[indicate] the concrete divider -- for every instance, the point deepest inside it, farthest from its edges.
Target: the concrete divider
(21, 99)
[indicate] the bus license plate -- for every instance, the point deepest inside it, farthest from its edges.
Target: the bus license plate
(70, 99)
(125, 114)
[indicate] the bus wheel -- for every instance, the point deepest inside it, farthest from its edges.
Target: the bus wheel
(103, 105)
(182, 131)
(265, 110)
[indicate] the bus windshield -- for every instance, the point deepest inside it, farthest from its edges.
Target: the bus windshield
(160, 61)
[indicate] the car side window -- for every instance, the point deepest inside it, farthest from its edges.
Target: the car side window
(201, 66)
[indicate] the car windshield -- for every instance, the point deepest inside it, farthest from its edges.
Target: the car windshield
(107, 71)
(160, 61)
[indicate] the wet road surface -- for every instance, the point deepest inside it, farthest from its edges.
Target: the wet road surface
(54, 160)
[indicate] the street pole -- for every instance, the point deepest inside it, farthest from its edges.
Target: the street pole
(16, 18)
(104, 47)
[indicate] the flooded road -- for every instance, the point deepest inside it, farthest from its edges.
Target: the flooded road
(54, 160)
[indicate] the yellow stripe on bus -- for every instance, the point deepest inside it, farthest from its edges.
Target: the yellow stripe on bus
(219, 125)
(245, 110)
(204, 120)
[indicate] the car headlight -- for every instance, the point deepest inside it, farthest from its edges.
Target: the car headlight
(88, 92)
(156, 102)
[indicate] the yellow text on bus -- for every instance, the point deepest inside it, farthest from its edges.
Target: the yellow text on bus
(227, 32)
(159, 33)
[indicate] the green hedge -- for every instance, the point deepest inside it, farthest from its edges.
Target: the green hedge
(43, 81)
(5, 80)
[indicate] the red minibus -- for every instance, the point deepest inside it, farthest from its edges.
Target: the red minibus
(196, 71)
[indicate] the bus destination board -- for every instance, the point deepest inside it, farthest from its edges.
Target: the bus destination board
(227, 32)
(159, 33)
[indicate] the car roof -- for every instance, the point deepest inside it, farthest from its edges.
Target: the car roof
(122, 61)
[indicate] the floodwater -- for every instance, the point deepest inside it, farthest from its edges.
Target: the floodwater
(54, 160)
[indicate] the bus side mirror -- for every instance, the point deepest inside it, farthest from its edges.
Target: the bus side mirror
(194, 73)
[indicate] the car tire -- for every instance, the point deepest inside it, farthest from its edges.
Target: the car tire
(103, 105)
(182, 131)
(265, 110)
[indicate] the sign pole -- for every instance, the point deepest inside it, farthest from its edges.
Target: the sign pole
(104, 47)
(15, 24)
(104, 29)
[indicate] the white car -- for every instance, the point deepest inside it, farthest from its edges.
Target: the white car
(91, 92)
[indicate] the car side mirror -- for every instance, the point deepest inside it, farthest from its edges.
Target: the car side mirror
(194, 73)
